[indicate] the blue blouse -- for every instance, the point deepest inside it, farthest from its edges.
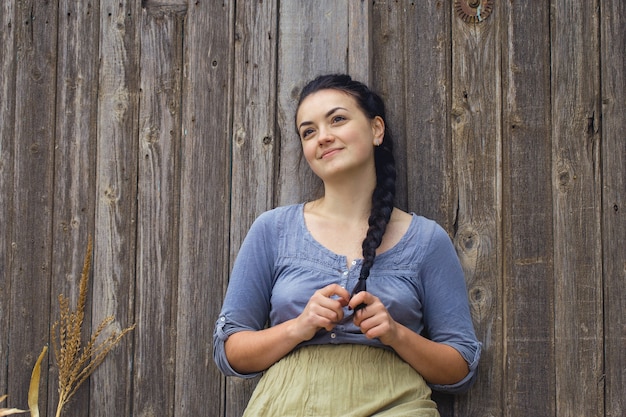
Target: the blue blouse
(280, 265)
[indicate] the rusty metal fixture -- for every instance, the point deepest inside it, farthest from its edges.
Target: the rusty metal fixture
(473, 11)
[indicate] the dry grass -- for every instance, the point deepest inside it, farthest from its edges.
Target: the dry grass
(74, 361)
(9, 411)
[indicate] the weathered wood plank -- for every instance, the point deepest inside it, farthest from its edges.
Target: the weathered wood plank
(360, 40)
(254, 140)
(529, 386)
(74, 162)
(165, 6)
(254, 109)
(116, 204)
(161, 34)
(576, 189)
(7, 144)
(431, 190)
(205, 201)
(313, 40)
(476, 136)
(30, 229)
(417, 93)
(613, 62)
(390, 82)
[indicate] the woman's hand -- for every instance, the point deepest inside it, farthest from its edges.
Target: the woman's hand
(374, 319)
(323, 311)
(436, 362)
(254, 351)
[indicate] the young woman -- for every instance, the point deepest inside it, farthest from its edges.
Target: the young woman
(347, 304)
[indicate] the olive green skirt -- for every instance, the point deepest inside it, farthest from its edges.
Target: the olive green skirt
(341, 380)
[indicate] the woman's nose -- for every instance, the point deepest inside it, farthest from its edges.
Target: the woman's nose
(325, 136)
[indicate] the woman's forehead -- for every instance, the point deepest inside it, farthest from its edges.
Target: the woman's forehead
(319, 102)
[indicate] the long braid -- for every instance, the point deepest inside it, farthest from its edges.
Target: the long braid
(382, 205)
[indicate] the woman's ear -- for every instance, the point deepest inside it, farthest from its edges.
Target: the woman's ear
(378, 129)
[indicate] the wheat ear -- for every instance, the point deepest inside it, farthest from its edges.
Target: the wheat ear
(75, 361)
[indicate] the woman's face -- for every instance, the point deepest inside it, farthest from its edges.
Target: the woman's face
(337, 137)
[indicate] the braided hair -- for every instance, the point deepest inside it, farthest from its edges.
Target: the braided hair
(384, 193)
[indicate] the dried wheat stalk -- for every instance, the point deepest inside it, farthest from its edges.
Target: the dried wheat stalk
(74, 361)
(9, 411)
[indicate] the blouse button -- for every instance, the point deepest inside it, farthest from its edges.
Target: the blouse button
(353, 262)
(333, 335)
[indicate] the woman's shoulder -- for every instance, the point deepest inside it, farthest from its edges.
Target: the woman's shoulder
(410, 223)
(281, 214)
(288, 210)
(270, 225)
(423, 230)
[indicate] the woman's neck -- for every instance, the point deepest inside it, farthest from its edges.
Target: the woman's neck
(345, 202)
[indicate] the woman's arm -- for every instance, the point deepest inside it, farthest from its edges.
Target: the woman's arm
(438, 363)
(255, 351)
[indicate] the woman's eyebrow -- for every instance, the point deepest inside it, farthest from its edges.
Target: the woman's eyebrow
(328, 113)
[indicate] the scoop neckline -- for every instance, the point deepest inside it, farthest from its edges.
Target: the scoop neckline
(344, 258)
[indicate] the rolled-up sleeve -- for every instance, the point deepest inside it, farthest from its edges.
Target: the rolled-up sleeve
(247, 301)
(447, 315)
(220, 335)
(472, 357)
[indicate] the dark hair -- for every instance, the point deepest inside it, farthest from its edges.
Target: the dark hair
(384, 193)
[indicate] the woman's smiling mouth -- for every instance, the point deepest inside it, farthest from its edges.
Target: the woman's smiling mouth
(329, 152)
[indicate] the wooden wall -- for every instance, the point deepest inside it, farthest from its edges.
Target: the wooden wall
(164, 127)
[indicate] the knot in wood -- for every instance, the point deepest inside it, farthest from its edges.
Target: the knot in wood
(565, 175)
(481, 302)
(240, 136)
(468, 239)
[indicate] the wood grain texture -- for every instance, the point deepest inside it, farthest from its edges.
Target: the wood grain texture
(158, 189)
(613, 75)
(417, 93)
(313, 41)
(114, 263)
(204, 204)
(7, 150)
(164, 127)
(576, 191)
(255, 141)
(74, 167)
(430, 188)
(32, 201)
(476, 136)
(360, 40)
(390, 82)
(529, 385)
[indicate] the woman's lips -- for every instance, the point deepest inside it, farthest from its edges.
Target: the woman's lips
(329, 152)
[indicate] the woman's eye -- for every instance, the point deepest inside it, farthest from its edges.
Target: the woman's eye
(337, 119)
(305, 133)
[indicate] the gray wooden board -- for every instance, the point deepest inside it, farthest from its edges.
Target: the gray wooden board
(576, 196)
(204, 203)
(32, 199)
(613, 69)
(115, 237)
(528, 383)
